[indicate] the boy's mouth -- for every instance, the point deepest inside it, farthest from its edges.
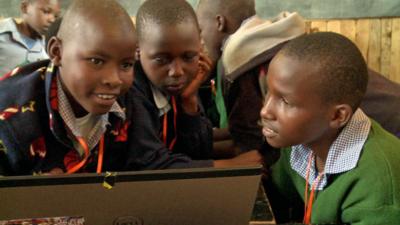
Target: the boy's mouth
(106, 96)
(173, 88)
(106, 99)
(269, 133)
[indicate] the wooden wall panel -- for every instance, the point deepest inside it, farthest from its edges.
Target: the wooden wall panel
(378, 40)
(386, 44)
(395, 51)
(374, 45)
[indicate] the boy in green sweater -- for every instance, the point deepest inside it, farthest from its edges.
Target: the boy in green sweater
(343, 165)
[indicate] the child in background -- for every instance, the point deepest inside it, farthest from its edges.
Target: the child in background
(171, 130)
(343, 165)
(73, 113)
(243, 44)
(22, 42)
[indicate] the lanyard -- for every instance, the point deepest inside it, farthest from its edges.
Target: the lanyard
(85, 147)
(308, 202)
(165, 126)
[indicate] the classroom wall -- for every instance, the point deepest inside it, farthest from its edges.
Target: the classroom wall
(378, 39)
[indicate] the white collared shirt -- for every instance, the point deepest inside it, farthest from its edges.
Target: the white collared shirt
(343, 155)
(90, 127)
(161, 100)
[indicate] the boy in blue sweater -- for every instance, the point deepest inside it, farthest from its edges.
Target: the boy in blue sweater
(343, 165)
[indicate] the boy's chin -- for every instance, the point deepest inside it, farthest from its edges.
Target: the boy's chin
(173, 92)
(276, 143)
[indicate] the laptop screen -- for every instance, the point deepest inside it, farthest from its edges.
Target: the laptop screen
(168, 197)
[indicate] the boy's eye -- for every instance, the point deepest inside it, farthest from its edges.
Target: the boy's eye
(46, 11)
(161, 60)
(189, 57)
(96, 61)
(127, 66)
(285, 101)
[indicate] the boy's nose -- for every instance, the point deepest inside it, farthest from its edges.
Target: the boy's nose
(175, 69)
(51, 18)
(266, 112)
(112, 78)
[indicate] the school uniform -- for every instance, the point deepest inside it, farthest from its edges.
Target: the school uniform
(246, 57)
(17, 49)
(361, 180)
(188, 143)
(38, 131)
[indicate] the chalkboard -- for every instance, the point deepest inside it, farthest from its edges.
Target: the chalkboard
(311, 9)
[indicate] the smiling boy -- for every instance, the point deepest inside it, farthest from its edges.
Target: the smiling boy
(72, 114)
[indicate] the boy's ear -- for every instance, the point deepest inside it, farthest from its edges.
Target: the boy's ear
(137, 54)
(24, 6)
(221, 23)
(54, 48)
(341, 115)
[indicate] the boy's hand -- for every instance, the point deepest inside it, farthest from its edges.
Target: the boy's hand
(189, 95)
(251, 158)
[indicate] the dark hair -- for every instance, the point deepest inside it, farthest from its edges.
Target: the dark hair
(164, 12)
(83, 11)
(341, 72)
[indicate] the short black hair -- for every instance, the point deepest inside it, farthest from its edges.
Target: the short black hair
(164, 12)
(88, 11)
(340, 69)
(237, 10)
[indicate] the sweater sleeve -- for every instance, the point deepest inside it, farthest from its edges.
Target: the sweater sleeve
(194, 136)
(244, 102)
(146, 149)
(384, 215)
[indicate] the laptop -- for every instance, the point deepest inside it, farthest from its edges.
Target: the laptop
(204, 196)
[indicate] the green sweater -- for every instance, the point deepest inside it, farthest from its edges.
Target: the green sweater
(367, 194)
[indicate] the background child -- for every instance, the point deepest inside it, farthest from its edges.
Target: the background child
(344, 166)
(73, 113)
(247, 43)
(22, 42)
(170, 126)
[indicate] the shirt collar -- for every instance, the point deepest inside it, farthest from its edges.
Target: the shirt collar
(10, 25)
(69, 119)
(344, 153)
(161, 100)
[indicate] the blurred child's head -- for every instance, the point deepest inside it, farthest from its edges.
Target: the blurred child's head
(220, 18)
(95, 52)
(169, 43)
(39, 14)
(315, 84)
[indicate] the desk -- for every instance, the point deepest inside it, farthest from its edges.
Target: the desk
(262, 212)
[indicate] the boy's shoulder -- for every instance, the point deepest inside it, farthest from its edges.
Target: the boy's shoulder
(22, 84)
(7, 25)
(141, 84)
(257, 41)
(381, 142)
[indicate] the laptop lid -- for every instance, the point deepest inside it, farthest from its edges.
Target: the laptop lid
(168, 197)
